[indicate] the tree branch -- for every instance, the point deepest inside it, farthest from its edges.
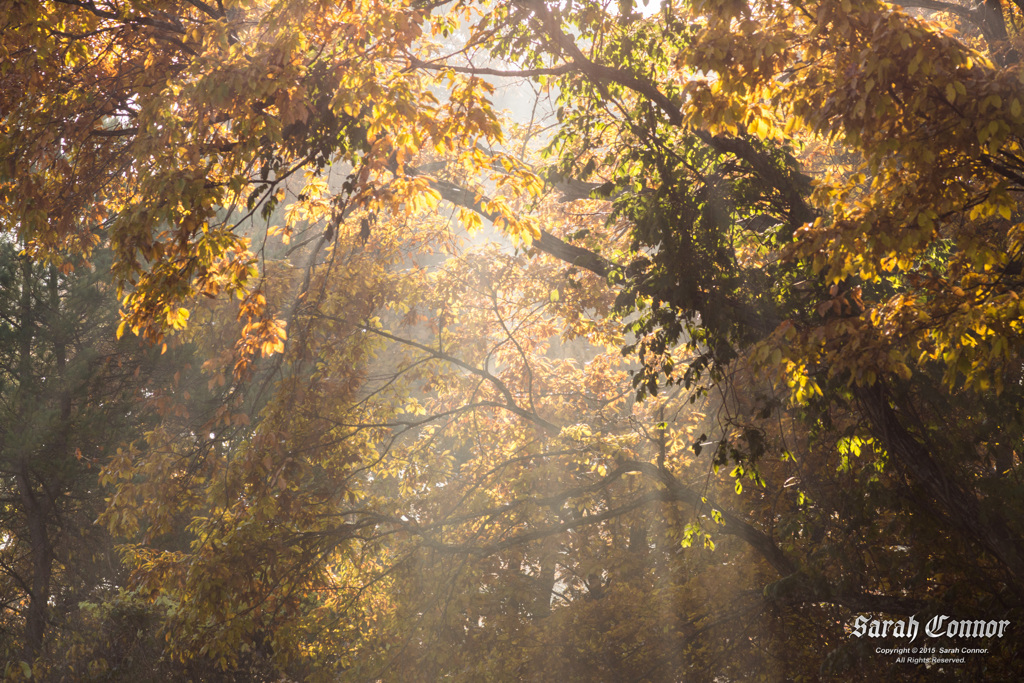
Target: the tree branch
(502, 388)
(601, 72)
(415, 63)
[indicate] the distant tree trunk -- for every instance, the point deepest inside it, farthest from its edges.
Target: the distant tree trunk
(546, 580)
(36, 506)
(60, 356)
(25, 326)
(36, 503)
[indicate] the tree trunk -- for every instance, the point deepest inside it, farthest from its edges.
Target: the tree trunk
(36, 509)
(941, 494)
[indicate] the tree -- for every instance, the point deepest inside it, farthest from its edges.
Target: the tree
(70, 392)
(803, 215)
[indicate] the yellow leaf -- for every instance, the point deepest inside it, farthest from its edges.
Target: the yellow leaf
(762, 128)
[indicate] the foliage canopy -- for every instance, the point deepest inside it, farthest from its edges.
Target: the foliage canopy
(712, 346)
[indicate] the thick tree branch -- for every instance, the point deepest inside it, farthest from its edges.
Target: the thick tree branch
(415, 63)
(791, 185)
(113, 132)
(109, 14)
(734, 526)
(548, 243)
(965, 13)
(985, 15)
(207, 9)
(600, 72)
